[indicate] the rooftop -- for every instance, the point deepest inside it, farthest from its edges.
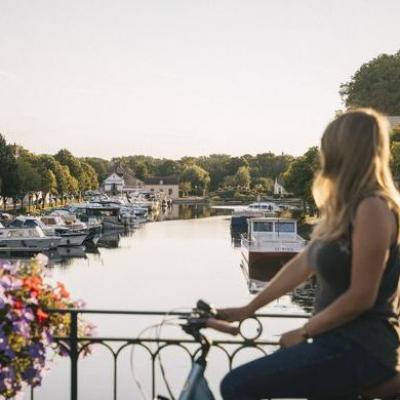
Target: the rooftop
(162, 180)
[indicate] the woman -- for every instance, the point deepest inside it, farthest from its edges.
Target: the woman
(351, 342)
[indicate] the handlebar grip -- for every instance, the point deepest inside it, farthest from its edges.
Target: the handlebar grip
(222, 326)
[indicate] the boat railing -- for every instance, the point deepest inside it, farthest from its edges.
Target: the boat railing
(273, 244)
(231, 348)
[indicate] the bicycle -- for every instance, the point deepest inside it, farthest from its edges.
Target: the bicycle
(191, 321)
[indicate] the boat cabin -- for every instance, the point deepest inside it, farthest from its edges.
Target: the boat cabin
(52, 220)
(272, 229)
(21, 233)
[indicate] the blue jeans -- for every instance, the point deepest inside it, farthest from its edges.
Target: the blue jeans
(331, 367)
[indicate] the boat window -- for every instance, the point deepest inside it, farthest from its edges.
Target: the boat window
(261, 226)
(285, 227)
(31, 223)
(17, 223)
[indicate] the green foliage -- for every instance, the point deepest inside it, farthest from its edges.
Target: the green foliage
(263, 185)
(167, 168)
(395, 135)
(29, 176)
(299, 176)
(90, 176)
(395, 160)
(101, 166)
(83, 173)
(242, 177)
(185, 188)
(141, 170)
(198, 178)
(10, 183)
(376, 84)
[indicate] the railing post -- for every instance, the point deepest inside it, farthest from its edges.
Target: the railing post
(74, 354)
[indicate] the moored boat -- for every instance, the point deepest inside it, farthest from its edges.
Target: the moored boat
(26, 239)
(68, 237)
(269, 244)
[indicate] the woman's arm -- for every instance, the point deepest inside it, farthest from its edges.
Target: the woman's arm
(374, 230)
(290, 276)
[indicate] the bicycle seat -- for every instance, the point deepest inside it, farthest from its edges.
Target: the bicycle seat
(388, 390)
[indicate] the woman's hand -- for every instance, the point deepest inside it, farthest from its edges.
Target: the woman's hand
(234, 313)
(292, 338)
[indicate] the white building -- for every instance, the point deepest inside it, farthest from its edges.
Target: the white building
(278, 188)
(165, 186)
(113, 184)
(394, 121)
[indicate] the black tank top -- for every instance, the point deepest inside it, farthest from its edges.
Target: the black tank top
(377, 329)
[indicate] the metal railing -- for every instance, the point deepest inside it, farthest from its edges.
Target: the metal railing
(75, 344)
(273, 245)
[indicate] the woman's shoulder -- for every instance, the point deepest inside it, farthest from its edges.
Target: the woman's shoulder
(374, 214)
(373, 206)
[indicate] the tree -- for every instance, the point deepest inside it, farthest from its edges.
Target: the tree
(167, 168)
(100, 165)
(198, 178)
(242, 177)
(299, 176)
(90, 176)
(9, 177)
(217, 167)
(29, 177)
(395, 160)
(66, 158)
(141, 171)
(185, 188)
(376, 84)
(263, 184)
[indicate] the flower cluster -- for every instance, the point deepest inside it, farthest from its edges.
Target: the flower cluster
(27, 331)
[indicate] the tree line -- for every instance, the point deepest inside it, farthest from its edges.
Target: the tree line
(376, 84)
(23, 173)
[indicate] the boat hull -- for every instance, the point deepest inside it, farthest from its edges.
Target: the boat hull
(263, 266)
(72, 239)
(36, 244)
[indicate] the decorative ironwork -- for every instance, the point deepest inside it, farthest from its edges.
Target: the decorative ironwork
(75, 344)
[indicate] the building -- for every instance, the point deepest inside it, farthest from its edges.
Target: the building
(164, 185)
(394, 121)
(132, 183)
(278, 188)
(113, 184)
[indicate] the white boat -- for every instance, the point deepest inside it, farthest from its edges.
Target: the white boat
(258, 209)
(26, 239)
(269, 244)
(108, 215)
(265, 206)
(68, 237)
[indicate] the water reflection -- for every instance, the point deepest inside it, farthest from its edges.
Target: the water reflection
(188, 211)
(304, 295)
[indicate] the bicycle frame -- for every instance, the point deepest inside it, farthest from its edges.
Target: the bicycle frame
(196, 386)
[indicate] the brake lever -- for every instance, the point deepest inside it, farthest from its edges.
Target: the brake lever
(207, 310)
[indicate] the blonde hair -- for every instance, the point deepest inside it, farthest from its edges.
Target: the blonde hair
(355, 156)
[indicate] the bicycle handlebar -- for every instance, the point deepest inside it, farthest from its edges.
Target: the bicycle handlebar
(205, 316)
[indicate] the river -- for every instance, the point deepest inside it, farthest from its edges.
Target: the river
(182, 256)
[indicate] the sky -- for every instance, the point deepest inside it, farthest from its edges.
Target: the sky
(169, 78)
